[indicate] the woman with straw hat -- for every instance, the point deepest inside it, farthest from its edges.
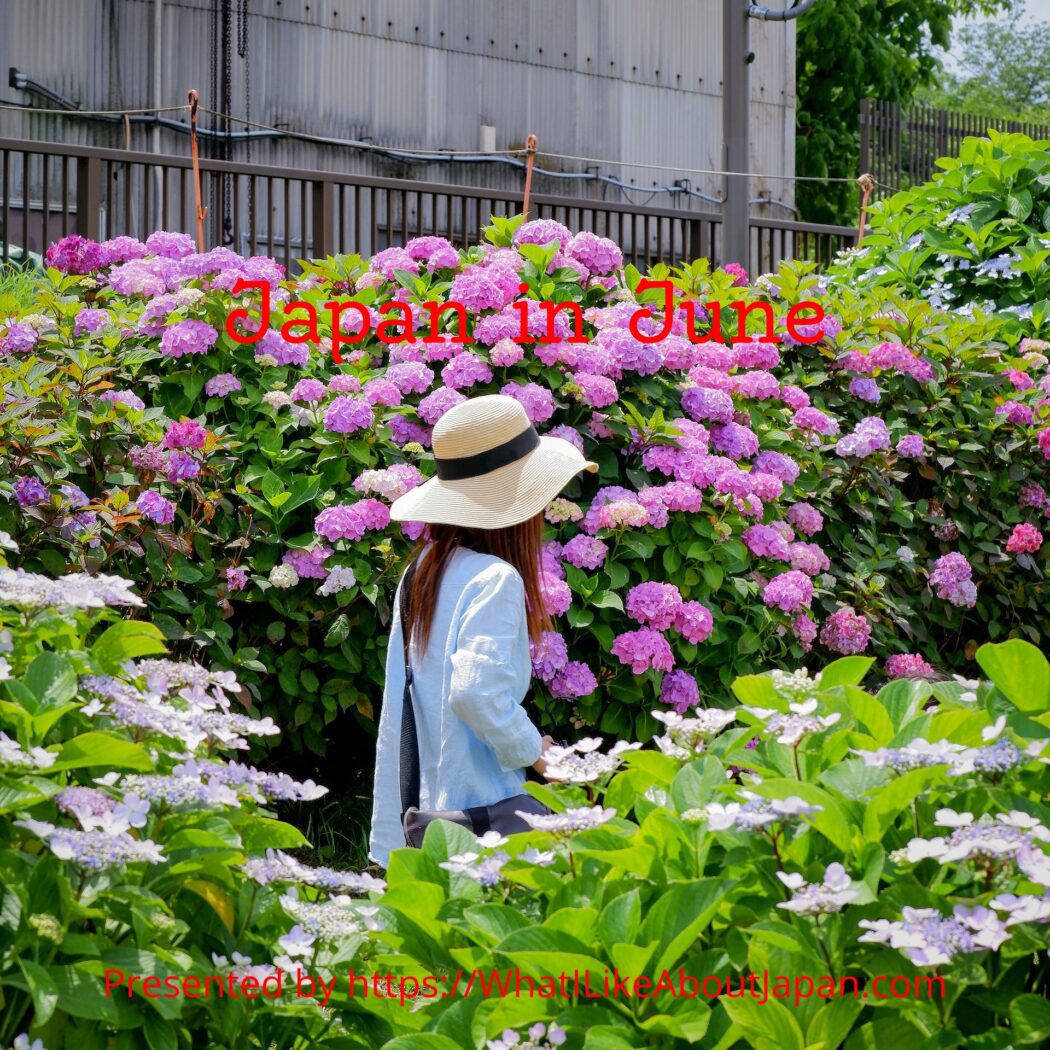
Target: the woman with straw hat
(452, 729)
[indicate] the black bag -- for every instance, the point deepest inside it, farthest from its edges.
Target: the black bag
(501, 816)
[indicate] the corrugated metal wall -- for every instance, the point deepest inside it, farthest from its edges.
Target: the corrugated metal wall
(592, 78)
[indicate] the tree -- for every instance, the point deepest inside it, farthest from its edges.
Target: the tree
(849, 50)
(1005, 72)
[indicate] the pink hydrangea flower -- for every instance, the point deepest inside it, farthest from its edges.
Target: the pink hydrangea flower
(654, 604)
(694, 622)
(789, 591)
(549, 655)
(805, 517)
(187, 337)
(846, 632)
(187, 434)
(585, 552)
(643, 650)
(1025, 539)
(908, 665)
(556, 595)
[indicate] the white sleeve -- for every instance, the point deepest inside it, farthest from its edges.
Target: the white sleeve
(486, 690)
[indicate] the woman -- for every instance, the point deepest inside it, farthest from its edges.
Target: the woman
(475, 603)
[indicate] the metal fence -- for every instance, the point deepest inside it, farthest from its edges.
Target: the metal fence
(900, 148)
(48, 190)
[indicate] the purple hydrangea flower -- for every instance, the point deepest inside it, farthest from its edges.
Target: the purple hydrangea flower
(680, 691)
(222, 384)
(347, 415)
(154, 506)
(537, 401)
(911, 446)
(952, 580)
(187, 337)
(694, 622)
(436, 404)
(90, 320)
(549, 655)
(170, 245)
(29, 492)
(352, 521)
(805, 517)
(573, 681)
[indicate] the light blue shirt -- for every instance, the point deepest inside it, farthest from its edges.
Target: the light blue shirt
(474, 736)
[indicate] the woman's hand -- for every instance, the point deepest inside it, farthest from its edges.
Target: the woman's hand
(540, 765)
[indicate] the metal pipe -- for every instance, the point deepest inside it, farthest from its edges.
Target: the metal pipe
(158, 83)
(765, 14)
(736, 97)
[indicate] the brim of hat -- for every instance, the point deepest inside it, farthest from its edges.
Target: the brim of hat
(500, 498)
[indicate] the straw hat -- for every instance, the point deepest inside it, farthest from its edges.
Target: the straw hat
(493, 469)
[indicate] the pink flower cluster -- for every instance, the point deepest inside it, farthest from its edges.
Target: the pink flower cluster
(846, 631)
(1025, 539)
(909, 665)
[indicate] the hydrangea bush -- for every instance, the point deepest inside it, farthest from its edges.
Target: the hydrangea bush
(860, 492)
(975, 239)
(134, 836)
(814, 865)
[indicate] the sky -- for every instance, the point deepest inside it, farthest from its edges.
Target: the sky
(1034, 11)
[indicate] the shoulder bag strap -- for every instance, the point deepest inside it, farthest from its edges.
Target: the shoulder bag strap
(409, 760)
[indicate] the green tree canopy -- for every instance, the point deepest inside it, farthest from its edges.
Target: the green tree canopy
(848, 51)
(1004, 72)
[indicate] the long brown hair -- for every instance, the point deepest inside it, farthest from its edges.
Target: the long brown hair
(519, 545)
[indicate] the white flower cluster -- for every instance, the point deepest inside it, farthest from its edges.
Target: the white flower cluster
(11, 754)
(1023, 907)
(795, 685)
(334, 919)
(755, 812)
(800, 721)
(818, 898)
(283, 576)
(928, 938)
(998, 755)
(278, 866)
(78, 590)
(538, 1037)
(105, 843)
(685, 737)
(339, 578)
(582, 762)
(571, 821)
(1006, 837)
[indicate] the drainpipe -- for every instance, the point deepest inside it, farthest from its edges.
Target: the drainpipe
(158, 86)
(737, 57)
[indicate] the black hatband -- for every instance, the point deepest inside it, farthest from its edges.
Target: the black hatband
(464, 467)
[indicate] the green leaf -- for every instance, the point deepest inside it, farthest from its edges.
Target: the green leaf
(889, 801)
(831, 821)
(423, 1040)
(770, 1022)
(97, 748)
(1020, 672)
(82, 994)
(850, 670)
(127, 640)
(51, 679)
(1030, 1017)
(42, 989)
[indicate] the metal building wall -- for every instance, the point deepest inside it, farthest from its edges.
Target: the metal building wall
(617, 79)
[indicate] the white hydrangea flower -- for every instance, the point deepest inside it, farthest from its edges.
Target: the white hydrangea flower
(818, 898)
(283, 576)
